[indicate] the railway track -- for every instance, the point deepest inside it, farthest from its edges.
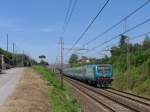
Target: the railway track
(139, 99)
(89, 103)
(112, 89)
(113, 100)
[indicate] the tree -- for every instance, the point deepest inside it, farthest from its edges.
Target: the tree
(73, 59)
(123, 40)
(45, 63)
(146, 43)
(115, 51)
(123, 44)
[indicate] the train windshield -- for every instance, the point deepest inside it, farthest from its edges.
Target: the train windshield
(104, 69)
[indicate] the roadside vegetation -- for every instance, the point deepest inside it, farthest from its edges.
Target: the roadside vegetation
(17, 59)
(60, 99)
(131, 66)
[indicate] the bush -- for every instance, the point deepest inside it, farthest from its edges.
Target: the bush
(137, 81)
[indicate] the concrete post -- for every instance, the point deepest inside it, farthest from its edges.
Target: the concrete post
(2, 62)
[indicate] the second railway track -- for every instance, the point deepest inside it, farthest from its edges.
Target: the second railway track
(135, 98)
(114, 101)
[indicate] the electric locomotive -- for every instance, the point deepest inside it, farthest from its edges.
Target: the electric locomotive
(97, 74)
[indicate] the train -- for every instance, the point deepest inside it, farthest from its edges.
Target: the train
(99, 75)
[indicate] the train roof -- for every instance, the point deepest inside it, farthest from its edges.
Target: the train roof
(104, 64)
(94, 65)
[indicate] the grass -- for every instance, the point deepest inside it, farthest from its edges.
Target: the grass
(137, 81)
(60, 99)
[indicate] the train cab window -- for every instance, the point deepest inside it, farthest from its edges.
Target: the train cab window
(103, 69)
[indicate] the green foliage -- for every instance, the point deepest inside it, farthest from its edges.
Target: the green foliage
(5, 53)
(73, 59)
(45, 63)
(59, 98)
(146, 44)
(18, 59)
(123, 40)
(137, 79)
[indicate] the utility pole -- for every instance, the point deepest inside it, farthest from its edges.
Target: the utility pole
(55, 64)
(125, 25)
(127, 41)
(128, 55)
(16, 59)
(128, 63)
(7, 42)
(62, 59)
(30, 60)
(13, 48)
(23, 58)
(13, 53)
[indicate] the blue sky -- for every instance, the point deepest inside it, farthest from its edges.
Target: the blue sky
(35, 25)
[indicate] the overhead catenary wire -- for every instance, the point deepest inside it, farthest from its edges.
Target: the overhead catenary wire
(131, 38)
(89, 25)
(128, 30)
(118, 23)
(66, 17)
(71, 8)
(141, 35)
(68, 10)
(71, 12)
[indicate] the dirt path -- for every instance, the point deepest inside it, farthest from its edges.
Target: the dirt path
(31, 95)
(8, 82)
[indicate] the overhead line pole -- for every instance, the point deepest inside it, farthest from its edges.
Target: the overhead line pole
(128, 63)
(127, 54)
(13, 48)
(62, 59)
(23, 58)
(66, 22)
(13, 53)
(7, 43)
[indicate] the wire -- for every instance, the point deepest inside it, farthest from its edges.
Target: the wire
(71, 12)
(69, 15)
(89, 25)
(132, 38)
(66, 17)
(134, 27)
(113, 26)
(140, 35)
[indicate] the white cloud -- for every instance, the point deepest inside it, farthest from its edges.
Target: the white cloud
(46, 30)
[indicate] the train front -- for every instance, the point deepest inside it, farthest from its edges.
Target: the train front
(104, 75)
